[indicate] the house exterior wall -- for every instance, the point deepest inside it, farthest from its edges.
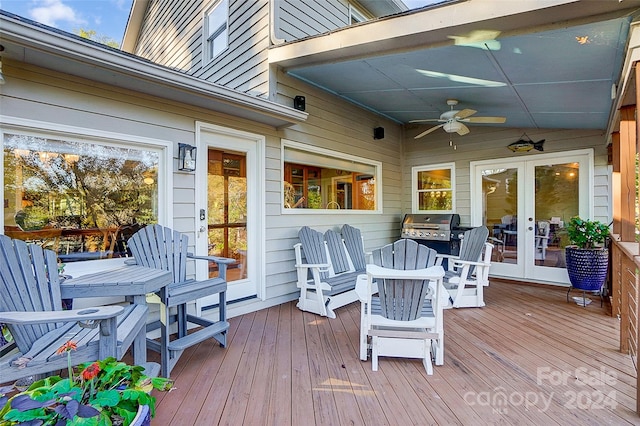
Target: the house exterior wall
(344, 128)
(296, 19)
(64, 100)
(171, 35)
(484, 143)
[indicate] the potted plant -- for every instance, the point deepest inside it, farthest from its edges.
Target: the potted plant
(587, 258)
(106, 392)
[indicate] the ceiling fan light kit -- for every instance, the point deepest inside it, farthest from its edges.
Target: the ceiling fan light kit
(452, 120)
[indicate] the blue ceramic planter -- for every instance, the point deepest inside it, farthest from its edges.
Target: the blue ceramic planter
(587, 268)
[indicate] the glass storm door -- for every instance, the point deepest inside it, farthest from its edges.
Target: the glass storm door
(230, 209)
(525, 204)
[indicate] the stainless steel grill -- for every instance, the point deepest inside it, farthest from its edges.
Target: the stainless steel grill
(431, 227)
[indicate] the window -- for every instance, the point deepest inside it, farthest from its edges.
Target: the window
(319, 179)
(82, 199)
(355, 15)
(433, 188)
(216, 29)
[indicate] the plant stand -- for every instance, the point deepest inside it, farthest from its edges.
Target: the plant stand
(587, 269)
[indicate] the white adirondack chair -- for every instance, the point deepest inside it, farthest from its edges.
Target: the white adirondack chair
(468, 272)
(31, 307)
(405, 319)
(327, 274)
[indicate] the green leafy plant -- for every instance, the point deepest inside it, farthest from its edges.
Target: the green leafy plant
(106, 392)
(586, 233)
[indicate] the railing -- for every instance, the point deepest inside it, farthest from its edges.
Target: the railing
(625, 286)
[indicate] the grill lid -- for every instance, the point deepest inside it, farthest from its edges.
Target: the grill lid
(436, 227)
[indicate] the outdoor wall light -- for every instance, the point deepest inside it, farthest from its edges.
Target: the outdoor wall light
(186, 157)
(378, 132)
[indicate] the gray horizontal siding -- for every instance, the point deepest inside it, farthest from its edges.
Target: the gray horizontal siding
(172, 35)
(485, 143)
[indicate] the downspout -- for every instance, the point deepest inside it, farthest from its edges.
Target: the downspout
(272, 24)
(273, 69)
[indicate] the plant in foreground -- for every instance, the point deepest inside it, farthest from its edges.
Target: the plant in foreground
(106, 392)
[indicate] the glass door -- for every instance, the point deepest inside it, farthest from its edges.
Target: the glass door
(526, 204)
(227, 211)
(229, 187)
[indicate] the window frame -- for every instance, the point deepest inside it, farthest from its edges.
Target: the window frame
(326, 155)
(415, 192)
(208, 36)
(355, 12)
(18, 126)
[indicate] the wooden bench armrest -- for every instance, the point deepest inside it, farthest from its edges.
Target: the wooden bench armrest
(86, 314)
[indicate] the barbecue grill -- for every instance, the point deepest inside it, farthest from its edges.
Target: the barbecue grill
(441, 232)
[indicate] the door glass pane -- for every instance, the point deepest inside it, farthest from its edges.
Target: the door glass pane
(556, 201)
(500, 207)
(227, 211)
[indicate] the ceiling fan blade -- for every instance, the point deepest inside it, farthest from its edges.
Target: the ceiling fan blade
(463, 130)
(426, 120)
(465, 113)
(485, 120)
(426, 132)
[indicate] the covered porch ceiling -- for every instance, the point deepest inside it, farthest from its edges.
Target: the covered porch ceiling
(540, 64)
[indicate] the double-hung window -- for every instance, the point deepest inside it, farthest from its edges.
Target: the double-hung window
(433, 188)
(216, 29)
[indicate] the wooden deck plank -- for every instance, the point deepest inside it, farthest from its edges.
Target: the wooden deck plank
(235, 409)
(287, 367)
(218, 398)
(262, 386)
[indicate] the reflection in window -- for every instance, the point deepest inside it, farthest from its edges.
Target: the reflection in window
(81, 199)
(216, 29)
(319, 180)
(433, 188)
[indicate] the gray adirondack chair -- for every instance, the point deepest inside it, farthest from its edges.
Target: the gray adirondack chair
(468, 272)
(405, 319)
(159, 247)
(31, 307)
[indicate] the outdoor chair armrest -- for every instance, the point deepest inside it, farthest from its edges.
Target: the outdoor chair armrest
(468, 262)
(217, 259)
(41, 317)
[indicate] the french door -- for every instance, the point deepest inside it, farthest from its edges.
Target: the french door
(230, 209)
(526, 203)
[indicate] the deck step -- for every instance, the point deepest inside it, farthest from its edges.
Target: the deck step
(198, 336)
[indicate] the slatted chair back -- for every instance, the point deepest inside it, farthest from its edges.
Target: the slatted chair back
(403, 300)
(473, 244)
(353, 240)
(337, 252)
(160, 247)
(314, 248)
(29, 274)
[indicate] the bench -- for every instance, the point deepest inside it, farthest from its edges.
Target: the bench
(328, 266)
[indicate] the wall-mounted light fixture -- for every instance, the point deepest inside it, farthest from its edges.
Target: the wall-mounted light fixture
(378, 132)
(186, 157)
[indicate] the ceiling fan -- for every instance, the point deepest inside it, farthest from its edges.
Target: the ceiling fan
(453, 120)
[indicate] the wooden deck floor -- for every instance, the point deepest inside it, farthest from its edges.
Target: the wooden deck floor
(529, 357)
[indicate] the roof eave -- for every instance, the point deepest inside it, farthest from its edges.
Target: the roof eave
(32, 43)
